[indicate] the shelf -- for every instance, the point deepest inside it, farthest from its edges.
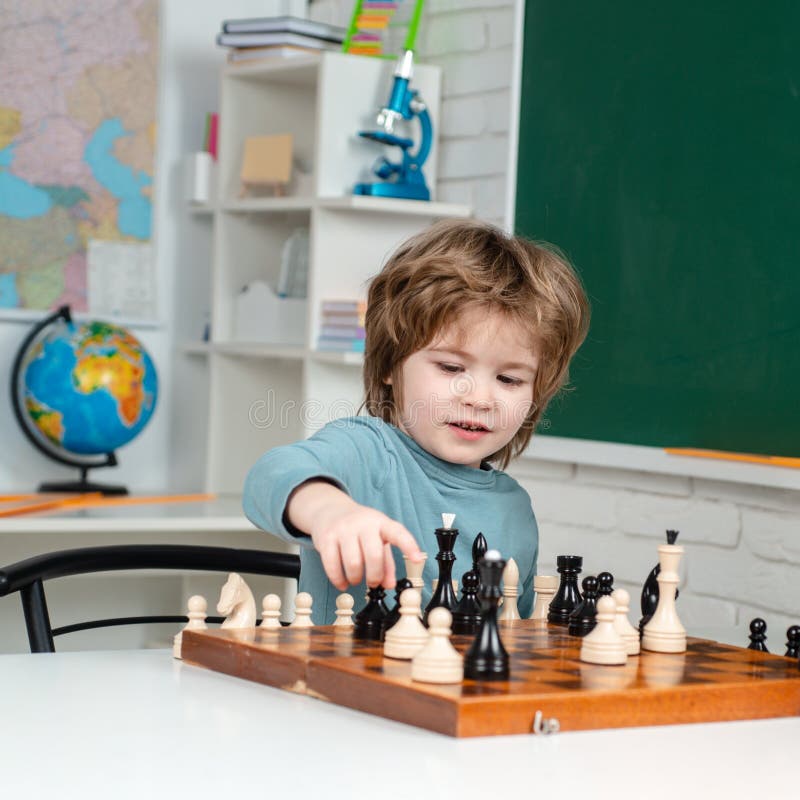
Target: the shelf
(268, 204)
(391, 205)
(201, 209)
(286, 352)
(296, 71)
(334, 357)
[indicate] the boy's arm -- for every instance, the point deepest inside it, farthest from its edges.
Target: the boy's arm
(352, 539)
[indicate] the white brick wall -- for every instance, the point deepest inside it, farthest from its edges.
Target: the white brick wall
(742, 542)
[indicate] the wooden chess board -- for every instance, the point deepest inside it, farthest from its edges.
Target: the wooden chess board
(710, 682)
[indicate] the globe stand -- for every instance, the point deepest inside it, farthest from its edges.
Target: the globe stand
(84, 485)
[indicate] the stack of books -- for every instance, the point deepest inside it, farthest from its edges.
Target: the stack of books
(342, 326)
(277, 37)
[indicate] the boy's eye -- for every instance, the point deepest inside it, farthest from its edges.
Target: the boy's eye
(508, 380)
(449, 368)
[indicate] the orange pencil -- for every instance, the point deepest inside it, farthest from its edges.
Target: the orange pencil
(772, 461)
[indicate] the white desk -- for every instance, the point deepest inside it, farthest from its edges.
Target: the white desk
(218, 522)
(138, 724)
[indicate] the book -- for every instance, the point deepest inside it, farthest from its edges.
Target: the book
(248, 54)
(279, 38)
(341, 345)
(342, 306)
(307, 27)
(342, 332)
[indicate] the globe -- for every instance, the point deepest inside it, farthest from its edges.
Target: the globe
(82, 390)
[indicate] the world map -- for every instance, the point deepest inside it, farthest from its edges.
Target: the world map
(77, 140)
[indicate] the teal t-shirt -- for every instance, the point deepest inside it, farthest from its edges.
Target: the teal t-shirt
(380, 466)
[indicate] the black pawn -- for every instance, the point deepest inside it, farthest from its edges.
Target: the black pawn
(793, 641)
(394, 615)
(444, 594)
(367, 623)
(605, 584)
(649, 600)
(467, 614)
(487, 659)
(568, 596)
(758, 635)
(583, 619)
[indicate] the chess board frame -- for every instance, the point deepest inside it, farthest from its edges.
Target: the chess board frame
(710, 682)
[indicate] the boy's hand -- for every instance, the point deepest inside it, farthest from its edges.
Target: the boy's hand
(352, 540)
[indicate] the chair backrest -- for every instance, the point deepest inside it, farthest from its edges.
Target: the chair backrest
(27, 577)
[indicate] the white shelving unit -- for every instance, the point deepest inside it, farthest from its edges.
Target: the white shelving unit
(262, 395)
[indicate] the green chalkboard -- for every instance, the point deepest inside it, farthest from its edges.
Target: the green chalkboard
(660, 149)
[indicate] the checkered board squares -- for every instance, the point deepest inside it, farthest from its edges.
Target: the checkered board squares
(709, 682)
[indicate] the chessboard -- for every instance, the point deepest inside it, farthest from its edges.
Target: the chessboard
(709, 682)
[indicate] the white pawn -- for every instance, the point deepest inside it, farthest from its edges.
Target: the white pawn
(414, 571)
(271, 612)
(344, 611)
(302, 611)
(623, 625)
(408, 635)
(545, 587)
(510, 611)
(197, 622)
(438, 661)
(604, 645)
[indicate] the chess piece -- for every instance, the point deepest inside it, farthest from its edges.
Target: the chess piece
(510, 612)
(344, 611)
(758, 635)
(793, 641)
(197, 622)
(414, 571)
(394, 615)
(487, 659)
(368, 621)
(649, 599)
(438, 661)
(236, 601)
(623, 625)
(583, 619)
(545, 587)
(568, 596)
(664, 632)
(604, 645)
(479, 548)
(467, 613)
(444, 596)
(605, 584)
(408, 635)
(271, 612)
(302, 611)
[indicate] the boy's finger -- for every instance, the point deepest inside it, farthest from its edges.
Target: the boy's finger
(372, 550)
(352, 560)
(332, 564)
(396, 534)
(389, 578)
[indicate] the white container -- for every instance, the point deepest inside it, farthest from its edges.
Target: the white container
(262, 316)
(199, 178)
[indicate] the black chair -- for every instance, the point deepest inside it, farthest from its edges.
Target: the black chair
(27, 577)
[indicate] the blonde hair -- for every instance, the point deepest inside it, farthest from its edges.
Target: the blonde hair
(456, 265)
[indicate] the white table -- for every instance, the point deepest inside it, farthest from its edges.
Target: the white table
(218, 522)
(138, 724)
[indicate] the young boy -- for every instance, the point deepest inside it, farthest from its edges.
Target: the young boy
(469, 334)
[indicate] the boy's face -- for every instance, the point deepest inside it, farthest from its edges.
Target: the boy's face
(479, 371)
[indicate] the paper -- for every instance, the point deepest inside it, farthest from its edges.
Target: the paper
(121, 280)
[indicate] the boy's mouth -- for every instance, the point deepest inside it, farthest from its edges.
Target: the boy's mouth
(468, 430)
